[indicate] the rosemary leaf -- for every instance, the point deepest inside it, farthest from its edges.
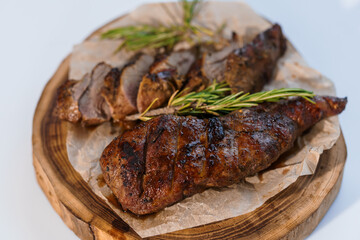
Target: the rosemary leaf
(214, 101)
(146, 36)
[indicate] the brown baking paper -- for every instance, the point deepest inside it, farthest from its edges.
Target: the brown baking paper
(85, 146)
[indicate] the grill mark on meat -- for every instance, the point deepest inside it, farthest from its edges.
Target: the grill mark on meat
(130, 156)
(144, 160)
(215, 135)
(174, 162)
(157, 134)
(216, 130)
(211, 157)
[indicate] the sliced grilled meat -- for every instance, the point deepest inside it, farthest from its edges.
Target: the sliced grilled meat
(245, 69)
(169, 158)
(166, 75)
(121, 87)
(211, 66)
(93, 107)
(250, 67)
(214, 64)
(195, 80)
(68, 95)
(66, 106)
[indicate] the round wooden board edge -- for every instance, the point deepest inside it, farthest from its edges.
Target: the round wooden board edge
(84, 227)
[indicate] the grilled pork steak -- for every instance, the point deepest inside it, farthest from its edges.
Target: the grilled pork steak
(165, 76)
(169, 158)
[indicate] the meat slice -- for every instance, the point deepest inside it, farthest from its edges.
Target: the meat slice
(93, 107)
(68, 95)
(209, 67)
(66, 107)
(121, 87)
(169, 158)
(250, 67)
(165, 76)
(245, 69)
(214, 64)
(195, 80)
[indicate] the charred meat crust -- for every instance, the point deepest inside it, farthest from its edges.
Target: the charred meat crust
(168, 158)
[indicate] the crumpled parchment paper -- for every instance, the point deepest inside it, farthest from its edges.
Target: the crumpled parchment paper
(85, 146)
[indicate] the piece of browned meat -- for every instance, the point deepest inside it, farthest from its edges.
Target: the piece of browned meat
(245, 69)
(250, 67)
(93, 107)
(81, 100)
(169, 158)
(121, 86)
(165, 76)
(68, 98)
(67, 107)
(105, 93)
(209, 67)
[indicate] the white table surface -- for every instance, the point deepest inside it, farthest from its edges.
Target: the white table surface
(36, 35)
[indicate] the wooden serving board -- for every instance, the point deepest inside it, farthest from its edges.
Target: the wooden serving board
(292, 214)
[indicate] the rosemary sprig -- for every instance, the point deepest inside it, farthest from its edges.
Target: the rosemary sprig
(214, 101)
(146, 36)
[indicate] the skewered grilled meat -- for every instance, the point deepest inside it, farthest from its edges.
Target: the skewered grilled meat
(169, 158)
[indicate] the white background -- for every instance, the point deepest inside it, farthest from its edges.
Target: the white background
(36, 35)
